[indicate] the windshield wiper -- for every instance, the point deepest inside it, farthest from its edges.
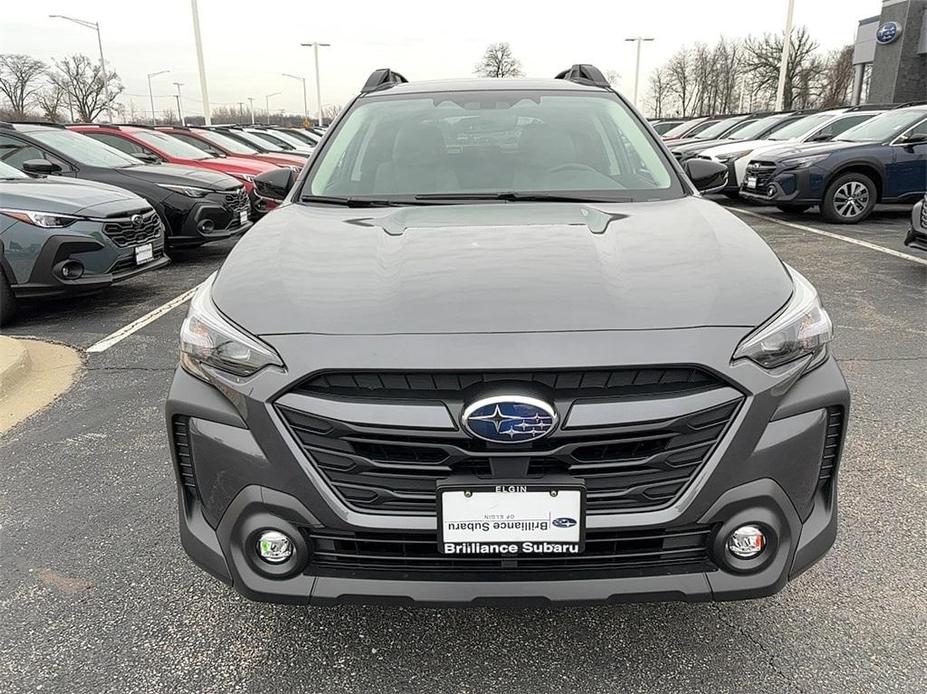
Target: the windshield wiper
(352, 202)
(519, 197)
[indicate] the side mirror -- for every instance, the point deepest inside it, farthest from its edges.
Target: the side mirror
(40, 167)
(913, 139)
(147, 158)
(274, 184)
(707, 176)
(820, 138)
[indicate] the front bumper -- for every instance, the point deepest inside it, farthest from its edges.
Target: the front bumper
(790, 186)
(917, 234)
(236, 459)
(196, 221)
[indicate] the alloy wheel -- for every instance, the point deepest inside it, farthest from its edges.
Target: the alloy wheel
(851, 199)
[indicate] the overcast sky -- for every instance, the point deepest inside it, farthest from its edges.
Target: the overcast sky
(249, 44)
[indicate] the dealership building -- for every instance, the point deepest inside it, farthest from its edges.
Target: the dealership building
(890, 55)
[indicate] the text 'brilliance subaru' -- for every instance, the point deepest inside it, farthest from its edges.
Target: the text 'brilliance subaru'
(496, 348)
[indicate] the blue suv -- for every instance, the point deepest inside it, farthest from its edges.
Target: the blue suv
(883, 160)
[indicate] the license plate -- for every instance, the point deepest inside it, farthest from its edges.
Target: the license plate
(750, 182)
(511, 519)
(144, 254)
(243, 217)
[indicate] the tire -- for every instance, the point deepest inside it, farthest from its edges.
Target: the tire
(7, 301)
(794, 209)
(733, 194)
(849, 199)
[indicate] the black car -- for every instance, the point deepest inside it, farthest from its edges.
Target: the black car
(195, 205)
(748, 130)
(535, 367)
(883, 160)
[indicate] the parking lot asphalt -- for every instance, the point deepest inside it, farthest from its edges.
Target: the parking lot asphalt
(96, 594)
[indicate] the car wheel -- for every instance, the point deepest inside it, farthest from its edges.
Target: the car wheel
(7, 301)
(794, 209)
(849, 199)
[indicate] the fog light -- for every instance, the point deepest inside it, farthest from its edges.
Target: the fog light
(771, 191)
(746, 542)
(274, 547)
(71, 270)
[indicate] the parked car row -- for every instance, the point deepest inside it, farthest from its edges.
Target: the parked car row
(843, 160)
(85, 206)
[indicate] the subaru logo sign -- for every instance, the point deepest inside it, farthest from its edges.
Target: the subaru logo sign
(509, 419)
(888, 32)
(136, 220)
(563, 522)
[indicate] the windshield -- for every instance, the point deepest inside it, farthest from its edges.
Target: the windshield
(882, 128)
(259, 142)
(7, 171)
(225, 142)
(84, 150)
(719, 128)
(170, 145)
(494, 142)
(756, 129)
(801, 127)
(680, 129)
(272, 140)
(303, 136)
(287, 139)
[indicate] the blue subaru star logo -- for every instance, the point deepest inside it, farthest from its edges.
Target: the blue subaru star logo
(888, 32)
(509, 419)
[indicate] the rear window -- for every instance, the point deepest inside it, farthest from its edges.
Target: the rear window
(492, 142)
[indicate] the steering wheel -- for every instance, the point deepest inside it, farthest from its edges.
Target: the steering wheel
(573, 166)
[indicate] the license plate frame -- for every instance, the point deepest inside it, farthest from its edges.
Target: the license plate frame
(144, 254)
(530, 504)
(242, 217)
(750, 183)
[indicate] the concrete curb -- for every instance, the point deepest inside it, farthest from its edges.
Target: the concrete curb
(15, 364)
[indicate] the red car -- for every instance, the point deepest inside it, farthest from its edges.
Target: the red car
(220, 144)
(150, 145)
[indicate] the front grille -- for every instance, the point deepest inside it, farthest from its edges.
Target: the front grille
(763, 170)
(831, 444)
(124, 232)
(180, 431)
(128, 263)
(403, 555)
(625, 468)
(440, 385)
(924, 213)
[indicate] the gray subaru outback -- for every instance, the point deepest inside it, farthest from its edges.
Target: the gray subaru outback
(65, 237)
(496, 348)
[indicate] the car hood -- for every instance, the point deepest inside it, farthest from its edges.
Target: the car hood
(698, 145)
(66, 196)
(180, 175)
(787, 150)
(734, 146)
(233, 165)
(519, 267)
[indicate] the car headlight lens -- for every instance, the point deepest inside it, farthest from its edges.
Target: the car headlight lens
(209, 341)
(46, 220)
(801, 328)
(732, 156)
(189, 191)
(803, 162)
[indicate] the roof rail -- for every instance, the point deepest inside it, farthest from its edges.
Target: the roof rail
(35, 122)
(171, 127)
(96, 125)
(911, 103)
(384, 78)
(583, 73)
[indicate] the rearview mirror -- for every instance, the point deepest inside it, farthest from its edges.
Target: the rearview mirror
(274, 184)
(707, 176)
(40, 167)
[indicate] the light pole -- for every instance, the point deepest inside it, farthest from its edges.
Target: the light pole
(96, 27)
(305, 101)
(784, 65)
(318, 87)
(267, 104)
(154, 120)
(637, 63)
(251, 101)
(179, 109)
(199, 61)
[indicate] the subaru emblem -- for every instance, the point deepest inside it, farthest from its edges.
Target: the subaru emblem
(509, 419)
(136, 220)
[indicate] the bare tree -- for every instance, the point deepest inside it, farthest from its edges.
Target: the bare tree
(20, 79)
(762, 58)
(613, 77)
(836, 78)
(681, 79)
(659, 92)
(330, 112)
(83, 80)
(51, 100)
(498, 61)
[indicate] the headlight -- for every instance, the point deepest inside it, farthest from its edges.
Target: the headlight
(189, 191)
(209, 341)
(803, 162)
(731, 156)
(46, 220)
(801, 328)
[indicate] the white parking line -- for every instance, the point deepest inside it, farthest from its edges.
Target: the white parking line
(140, 323)
(832, 235)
